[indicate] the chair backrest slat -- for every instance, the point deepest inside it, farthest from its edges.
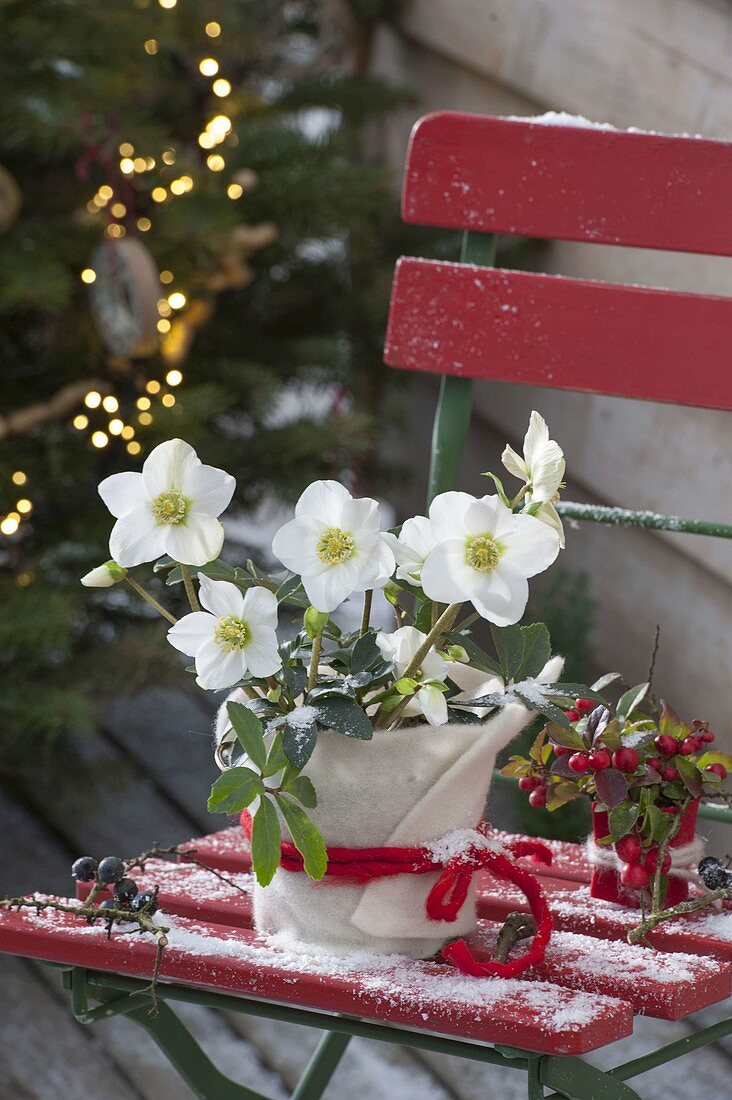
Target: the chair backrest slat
(570, 182)
(560, 333)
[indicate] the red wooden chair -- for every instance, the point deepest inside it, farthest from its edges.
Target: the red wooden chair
(465, 321)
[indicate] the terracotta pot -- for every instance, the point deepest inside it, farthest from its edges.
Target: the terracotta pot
(605, 882)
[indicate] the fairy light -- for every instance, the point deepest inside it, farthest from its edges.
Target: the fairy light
(187, 182)
(151, 46)
(143, 403)
(206, 140)
(80, 422)
(110, 404)
(153, 386)
(163, 326)
(128, 432)
(164, 309)
(93, 206)
(9, 525)
(149, 163)
(24, 506)
(168, 400)
(213, 29)
(139, 164)
(235, 190)
(177, 299)
(134, 447)
(18, 477)
(99, 439)
(169, 156)
(143, 224)
(145, 418)
(158, 194)
(208, 66)
(115, 231)
(216, 162)
(88, 275)
(221, 88)
(174, 378)
(126, 149)
(105, 192)
(93, 400)
(115, 426)
(166, 276)
(127, 166)
(24, 579)
(167, 4)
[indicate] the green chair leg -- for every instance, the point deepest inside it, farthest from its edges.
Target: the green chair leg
(577, 1080)
(322, 1066)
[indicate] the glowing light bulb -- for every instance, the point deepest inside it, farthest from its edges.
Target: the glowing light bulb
(187, 182)
(177, 187)
(143, 403)
(80, 422)
(93, 399)
(110, 404)
(177, 299)
(213, 29)
(24, 579)
(167, 4)
(209, 66)
(151, 46)
(118, 209)
(128, 432)
(145, 418)
(163, 326)
(220, 125)
(24, 506)
(9, 525)
(133, 448)
(126, 150)
(221, 88)
(216, 162)
(169, 156)
(166, 276)
(143, 224)
(19, 477)
(206, 140)
(174, 378)
(127, 166)
(105, 192)
(115, 231)
(168, 400)
(115, 426)
(159, 194)
(88, 275)
(163, 308)
(139, 164)
(235, 190)
(99, 439)
(153, 386)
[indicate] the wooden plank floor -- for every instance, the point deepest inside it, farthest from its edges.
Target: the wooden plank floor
(144, 778)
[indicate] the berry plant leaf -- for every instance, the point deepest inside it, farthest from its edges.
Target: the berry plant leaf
(549, 710)
(234, 790)
(537, 650)
(631, 699)
(509, 643)
(266, 837)
(305, 836)
(344, 716)
(298, 741)
(622, 818)
(689, 775)
(611, 786)
(248, 730)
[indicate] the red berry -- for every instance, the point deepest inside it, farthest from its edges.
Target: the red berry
(573, 715)
(537, 798)
(560, 750)
(669, 774)
(651, 862)
(584, 706)
(688, 746)
(655, 762)
(579, 762)
(600, 760)
(529, 783)
(626, 760)
(718, 769)
(634, 876)
(707, 737)
(629, 848)
(666, 744)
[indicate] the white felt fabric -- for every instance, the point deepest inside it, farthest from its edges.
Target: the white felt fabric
(404, 788)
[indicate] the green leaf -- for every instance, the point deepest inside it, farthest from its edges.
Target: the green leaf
(567, 737)
(509, 643)
(234, 790)
(276, 758)
(537, 650)
(298, 741)
(715, 757)
(478, 657)
(288, 588)
(499, 487)
(301, 788)
(622, 818)
(631, 699)
(549, 710)
(305, 836)
(689, 775)
(669, 722)
(249, 734)
(346, 717)
(366, 652)
(606, 680)
(265, 842)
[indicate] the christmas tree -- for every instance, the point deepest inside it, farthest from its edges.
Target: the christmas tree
(193, 243)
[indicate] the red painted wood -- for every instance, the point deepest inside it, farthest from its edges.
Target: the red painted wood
(546, 330)
(534, 1015)
(569, 183)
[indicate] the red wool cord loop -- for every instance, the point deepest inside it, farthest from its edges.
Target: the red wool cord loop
(448, 895)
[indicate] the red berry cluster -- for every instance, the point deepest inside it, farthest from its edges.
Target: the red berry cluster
(639, 866)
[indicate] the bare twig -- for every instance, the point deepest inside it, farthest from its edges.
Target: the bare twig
(640, 932)
(654, 654)
(516, 927)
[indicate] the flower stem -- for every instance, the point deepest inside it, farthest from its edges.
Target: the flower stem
(445, 621)
(150, 599)
(190, 590)
(367, 601)
(387, 720)
(314, 661)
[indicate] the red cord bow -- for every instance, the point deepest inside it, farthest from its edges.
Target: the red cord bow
(448, 895)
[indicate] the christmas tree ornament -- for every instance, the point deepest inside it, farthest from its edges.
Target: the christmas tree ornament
(10, 199)
(124, 297)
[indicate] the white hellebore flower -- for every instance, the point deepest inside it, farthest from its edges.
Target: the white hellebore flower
(104, 576)
(411, 547)
(234, 635)
(542, 469)
(485, 554)
(400, 647)
(172, 507)
(335, 544)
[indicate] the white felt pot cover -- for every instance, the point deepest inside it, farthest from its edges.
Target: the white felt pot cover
(403, 788)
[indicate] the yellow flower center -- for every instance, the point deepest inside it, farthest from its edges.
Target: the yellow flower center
(170, 507)
(336, 546)
(232, 633)
(483, 553)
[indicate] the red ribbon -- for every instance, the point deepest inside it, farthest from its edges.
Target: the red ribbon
(448, 895)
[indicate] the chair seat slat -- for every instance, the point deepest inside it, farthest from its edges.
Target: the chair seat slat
(561, 333)
(569, 182)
